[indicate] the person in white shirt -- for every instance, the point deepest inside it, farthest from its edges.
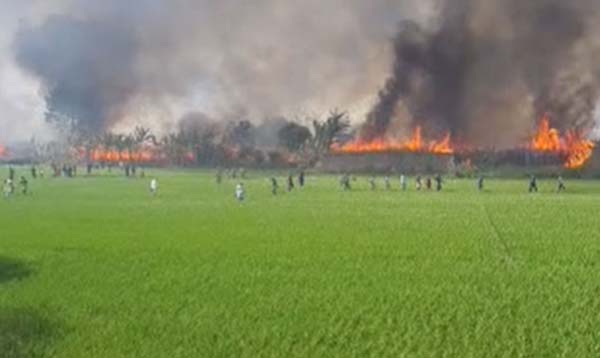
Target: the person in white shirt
(8, 188)
(403, 182)
(154, 187)
(240, 193)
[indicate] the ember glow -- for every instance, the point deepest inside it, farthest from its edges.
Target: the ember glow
(572, 146)
(415, 144)
(125, 157)
(113, 156)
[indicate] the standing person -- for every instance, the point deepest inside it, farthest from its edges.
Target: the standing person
(154, 186)
(428, 183)
(240, 193)
(34, 172)
(403, 182)
(387, 184)
(345, 182)
(11, 173)
(219, 176)
(290, 183)
(533, 184)
(372, 184)
(274, 186)
(480, 183)
(438, 182)
(24, 185)
(419, 183)
(301, 179)
(561, 184)
(8, 188)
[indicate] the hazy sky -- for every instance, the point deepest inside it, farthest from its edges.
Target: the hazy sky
(116, 63)
(263, 58)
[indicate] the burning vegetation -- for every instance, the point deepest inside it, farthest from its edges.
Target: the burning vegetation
(573, 147)
(415, 144)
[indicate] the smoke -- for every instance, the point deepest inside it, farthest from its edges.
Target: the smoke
(485, 70)
(109, 63)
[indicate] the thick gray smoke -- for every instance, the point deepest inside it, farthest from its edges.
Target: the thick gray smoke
(107, 62)
(486, 69)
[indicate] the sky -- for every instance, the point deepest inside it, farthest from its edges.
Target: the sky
(224, 58)
(115, 64)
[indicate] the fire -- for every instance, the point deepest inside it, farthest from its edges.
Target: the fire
(112, 156)
(573, 146)
(415, 144)
(125, 157)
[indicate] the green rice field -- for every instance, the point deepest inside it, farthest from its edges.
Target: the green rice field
(97, 267)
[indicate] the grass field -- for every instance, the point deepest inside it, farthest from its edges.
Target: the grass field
(95, 267)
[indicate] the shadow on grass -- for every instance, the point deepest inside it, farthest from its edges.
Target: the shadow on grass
(11, 269)
(26, 333)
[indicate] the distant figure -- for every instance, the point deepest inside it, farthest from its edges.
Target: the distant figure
(34, 172)
(438, 182)
(290, 183)
(561, 184)
(274, 186)
(8, 188)
(242, 173)
(240, 193)
(480, 183)
(403, 182)
(372, 183)
(143, 174)
(301, 180)
(345, 182)
(11, 173)
(387, 184)
(428, 183)
(154, 187)
(24, 185)
(419, 183)
(219, 176)
(533, 184)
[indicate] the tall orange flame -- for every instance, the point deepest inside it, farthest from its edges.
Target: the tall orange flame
(415, 144)
(576, 149)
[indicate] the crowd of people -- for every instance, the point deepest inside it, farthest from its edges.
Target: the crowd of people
(428, 183)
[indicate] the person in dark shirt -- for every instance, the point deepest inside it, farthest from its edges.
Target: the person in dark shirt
(533, 188)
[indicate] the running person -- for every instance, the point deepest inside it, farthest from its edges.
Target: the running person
(154, 187)
(561, 185)
(24, 185)
(274, 186)
(240, 193)
(8, 188)
(403, 182)
(533, 184)
(419, 183)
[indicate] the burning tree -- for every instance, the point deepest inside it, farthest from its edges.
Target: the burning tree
(328, 134)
